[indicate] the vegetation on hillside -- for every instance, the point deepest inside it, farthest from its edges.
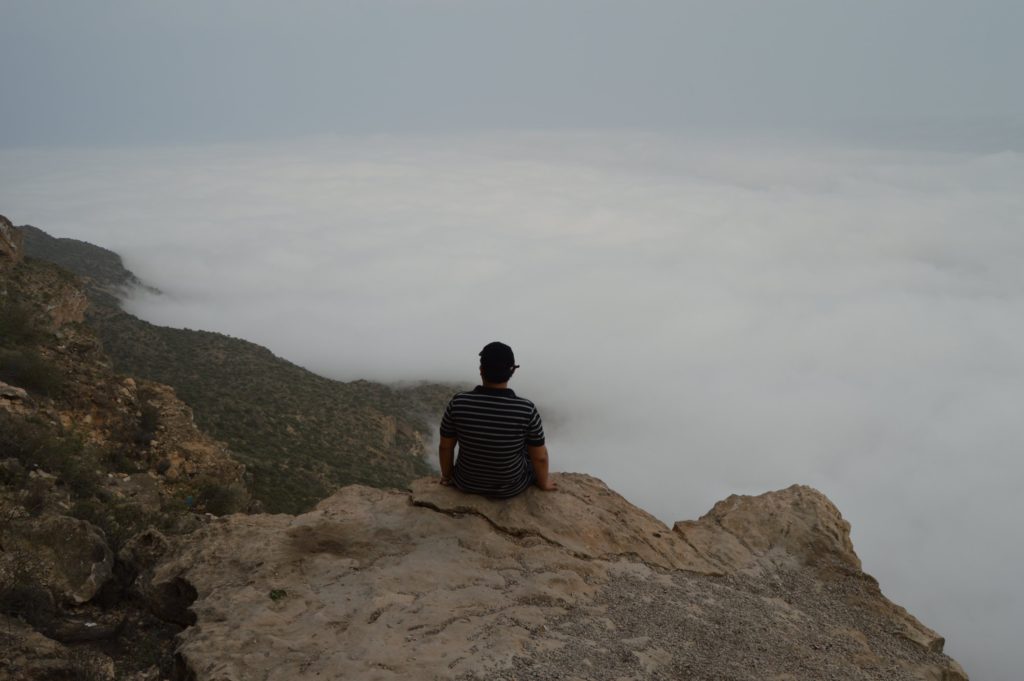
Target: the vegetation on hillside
(47, 467)
(300, 435)
(103, 272)
(22, 362)
(45, 459)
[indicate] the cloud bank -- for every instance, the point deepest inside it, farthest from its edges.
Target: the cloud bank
(694, 318)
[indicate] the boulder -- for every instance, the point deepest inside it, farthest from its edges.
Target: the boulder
(10, 392)
(27, 654)
(169, 600)
(66, 556)
(795, 524)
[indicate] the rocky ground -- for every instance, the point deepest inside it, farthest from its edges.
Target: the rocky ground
(576, 584)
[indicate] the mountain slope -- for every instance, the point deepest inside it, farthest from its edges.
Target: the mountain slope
(300, 435)
(89, 458)
(103, 271)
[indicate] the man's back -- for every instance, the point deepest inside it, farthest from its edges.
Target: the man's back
(493, 426)
(499, 434)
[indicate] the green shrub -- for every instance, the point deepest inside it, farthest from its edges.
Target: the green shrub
(27, 440)
(149, 421)
(150, 418)
(12, 473)
(18, 325)
(21, 594)
(35, 445)
(87, 666)
(119, 459)
(120, 521)
(37, 493)
(220, 499)
(30, 370)
(78, 474)
(22, 597)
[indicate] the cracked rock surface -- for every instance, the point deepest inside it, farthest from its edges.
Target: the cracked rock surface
(576, 584)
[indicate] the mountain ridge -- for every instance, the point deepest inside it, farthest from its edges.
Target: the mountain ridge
(300, 435)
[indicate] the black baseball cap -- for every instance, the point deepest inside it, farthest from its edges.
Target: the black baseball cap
(498, 355)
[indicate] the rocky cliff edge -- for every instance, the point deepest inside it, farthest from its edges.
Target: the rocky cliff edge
(576, 584)
(11, 244)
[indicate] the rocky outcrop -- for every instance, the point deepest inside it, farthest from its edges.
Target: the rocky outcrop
(11, 244)
(27, 654)
(88, 460)
(178, 449)
(796, 525)
(68, 307)
(57, 294)
(9, 392)
(66, 556)
(575, 584)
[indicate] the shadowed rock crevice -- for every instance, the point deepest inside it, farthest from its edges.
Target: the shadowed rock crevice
(514, 532)
(584, 517)
(171, 601)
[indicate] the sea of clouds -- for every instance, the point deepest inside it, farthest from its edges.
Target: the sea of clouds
(695, 318)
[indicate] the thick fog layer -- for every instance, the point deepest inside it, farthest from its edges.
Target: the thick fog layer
(694, 319)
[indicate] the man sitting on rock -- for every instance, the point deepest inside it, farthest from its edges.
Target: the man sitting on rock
(500, 435)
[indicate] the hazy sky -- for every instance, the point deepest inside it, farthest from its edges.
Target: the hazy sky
(735, 244)
(124, 72)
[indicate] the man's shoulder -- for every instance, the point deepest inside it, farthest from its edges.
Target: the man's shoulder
(505, 397)
(524, 400)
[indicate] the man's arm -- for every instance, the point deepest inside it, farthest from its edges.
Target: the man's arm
(539, 459)
(446, 457)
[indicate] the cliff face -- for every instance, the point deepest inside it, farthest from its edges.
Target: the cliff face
(576, 584)
(65, 382)
(11, 244)
(88, 458)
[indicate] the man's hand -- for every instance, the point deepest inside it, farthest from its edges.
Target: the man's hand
(446, 459)
(548, 486)
(539, 461)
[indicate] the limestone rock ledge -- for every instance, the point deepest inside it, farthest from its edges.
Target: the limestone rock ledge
(575, 584)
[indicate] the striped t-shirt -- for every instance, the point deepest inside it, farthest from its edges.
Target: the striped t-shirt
(493, 427)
